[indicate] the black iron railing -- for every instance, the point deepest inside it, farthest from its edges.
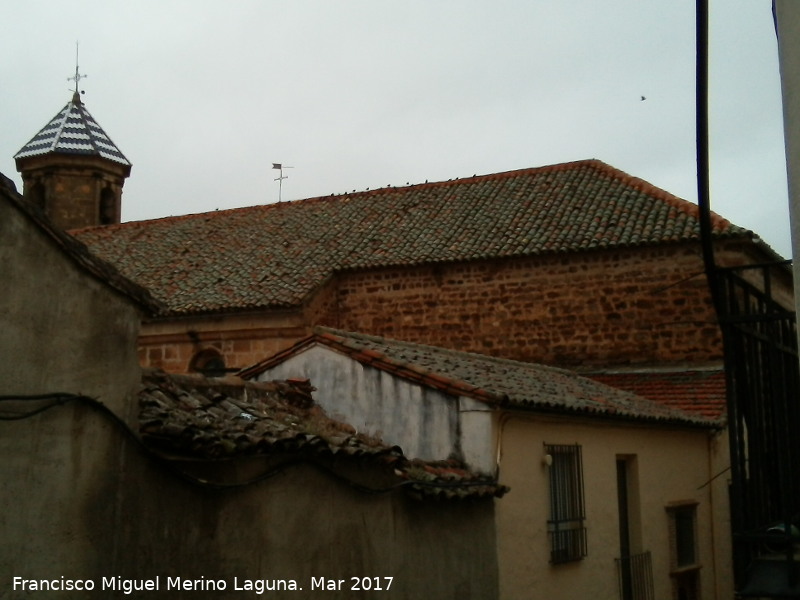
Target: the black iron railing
(566, 526)
(635, 573)
(763, 377)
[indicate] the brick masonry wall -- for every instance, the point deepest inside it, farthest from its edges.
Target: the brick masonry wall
(175, 353)
(620, 307)
(638, 306)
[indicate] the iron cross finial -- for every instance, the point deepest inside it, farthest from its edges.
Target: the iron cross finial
(77, 78)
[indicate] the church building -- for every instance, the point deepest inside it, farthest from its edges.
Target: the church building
(494, 284)
(577, 265)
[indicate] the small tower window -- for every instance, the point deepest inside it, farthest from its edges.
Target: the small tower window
(108, 207)
(36, 194)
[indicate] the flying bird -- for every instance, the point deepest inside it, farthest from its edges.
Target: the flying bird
(643, 99)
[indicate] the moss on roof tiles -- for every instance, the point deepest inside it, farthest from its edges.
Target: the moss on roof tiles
(497, 381)
(276, 255)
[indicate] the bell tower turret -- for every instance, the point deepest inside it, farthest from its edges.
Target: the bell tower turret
(73, 170)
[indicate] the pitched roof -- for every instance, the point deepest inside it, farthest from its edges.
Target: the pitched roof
(276, 255)
(73, 131)
(194, 417)
(496, 381)
(77, 251)
(700, 392)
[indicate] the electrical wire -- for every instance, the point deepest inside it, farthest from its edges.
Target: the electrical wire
(61, 399)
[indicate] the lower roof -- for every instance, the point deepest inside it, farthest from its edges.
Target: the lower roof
(192, 417)
(498, 382)
(701, 392)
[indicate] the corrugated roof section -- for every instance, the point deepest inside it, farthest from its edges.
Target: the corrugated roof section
(73, 131)
(276, 255)
(501, 382)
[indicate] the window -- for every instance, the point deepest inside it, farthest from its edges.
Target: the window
(683, 550)
(209, 362)
(108, 207)
(684, 536)
(566, 526)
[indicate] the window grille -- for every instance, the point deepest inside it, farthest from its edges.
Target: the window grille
(566, 526)
(635, 573)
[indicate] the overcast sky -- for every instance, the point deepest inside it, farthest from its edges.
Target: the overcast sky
(203, 96)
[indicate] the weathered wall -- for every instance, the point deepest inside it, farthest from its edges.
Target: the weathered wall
(635, 306)
(605, 307)
(672, 465)
(75, 190)
(79, 500)
(61, 330)
(140, 521)
(425, 423)
(241, 339)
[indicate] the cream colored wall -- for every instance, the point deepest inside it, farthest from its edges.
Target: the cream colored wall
(672, 464)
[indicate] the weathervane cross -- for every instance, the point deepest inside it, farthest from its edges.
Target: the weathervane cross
(280, 178)
(77, 78)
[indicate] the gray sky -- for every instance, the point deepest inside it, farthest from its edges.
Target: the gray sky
(203, 96)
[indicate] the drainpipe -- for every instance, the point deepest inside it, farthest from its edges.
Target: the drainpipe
(701, 108)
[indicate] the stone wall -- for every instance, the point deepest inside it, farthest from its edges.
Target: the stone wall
(61, 329)
(641, 305)
(634, 306)
(82, 501)
(174, 345)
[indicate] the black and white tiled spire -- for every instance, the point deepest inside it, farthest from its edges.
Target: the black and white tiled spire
(73, 131)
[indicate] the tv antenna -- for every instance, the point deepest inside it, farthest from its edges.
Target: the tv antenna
(280, 178)
(77, 77)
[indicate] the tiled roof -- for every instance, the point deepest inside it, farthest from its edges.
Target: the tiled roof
(191, 416)
(73, 131)
(699, 392)
(499, 382)
(78, 252)
(276, 255)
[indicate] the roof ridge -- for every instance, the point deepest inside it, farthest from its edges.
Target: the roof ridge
(637, 183)
(279, 254)
(431, 378)
(362, 193)
(65, 117)
(82, 115)
(446, 376)
(441, 350)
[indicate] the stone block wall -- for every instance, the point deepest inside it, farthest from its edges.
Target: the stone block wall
(633, 306)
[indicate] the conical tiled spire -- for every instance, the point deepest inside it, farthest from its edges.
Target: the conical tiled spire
(73, 131)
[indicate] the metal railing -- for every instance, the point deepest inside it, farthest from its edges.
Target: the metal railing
(761, 363)
(635, 573)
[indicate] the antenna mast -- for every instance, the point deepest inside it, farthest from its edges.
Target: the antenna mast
(280, 178)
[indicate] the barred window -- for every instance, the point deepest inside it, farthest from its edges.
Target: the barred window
(567, 524)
